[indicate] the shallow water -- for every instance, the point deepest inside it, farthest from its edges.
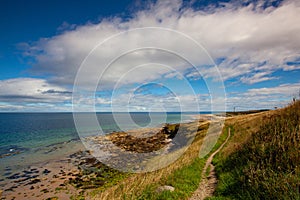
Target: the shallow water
(35, 148)
(30, 138)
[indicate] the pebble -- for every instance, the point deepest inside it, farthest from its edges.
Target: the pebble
(46, 171)
(45, 190)
(165, 188)
(34, 181)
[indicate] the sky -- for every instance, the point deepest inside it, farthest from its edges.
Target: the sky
(164, 55)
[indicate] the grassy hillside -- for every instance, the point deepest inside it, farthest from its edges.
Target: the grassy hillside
(262, 159)
(184, 175)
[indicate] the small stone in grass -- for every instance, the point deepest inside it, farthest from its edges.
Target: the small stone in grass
(165, 188)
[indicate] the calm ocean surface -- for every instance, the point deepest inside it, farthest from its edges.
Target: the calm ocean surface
(27, 138)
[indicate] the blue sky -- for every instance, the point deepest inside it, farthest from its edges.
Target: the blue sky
(29, 21)
(197, 55)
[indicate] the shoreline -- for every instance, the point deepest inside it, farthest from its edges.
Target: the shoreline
(64, 177)
(40, 180)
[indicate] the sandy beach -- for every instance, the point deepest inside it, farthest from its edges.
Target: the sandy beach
(64, 176)
(42, 180)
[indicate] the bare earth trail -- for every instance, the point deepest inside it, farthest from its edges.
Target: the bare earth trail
(208, 183)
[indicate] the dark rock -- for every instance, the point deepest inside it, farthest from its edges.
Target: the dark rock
(147, 144)
(14, 187)
(28, 172)
(46, 171)
(22, 180)
(45, 190)
(14, 176)
(7, 173)
(9, 189)
(34, 181)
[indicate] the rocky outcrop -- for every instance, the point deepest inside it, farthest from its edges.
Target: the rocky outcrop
(145, 144)
(93, 173)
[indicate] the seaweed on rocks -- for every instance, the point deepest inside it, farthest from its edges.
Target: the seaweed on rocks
(145, 145)
(93, 173)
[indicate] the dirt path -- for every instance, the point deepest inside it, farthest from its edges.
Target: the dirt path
(208, 183)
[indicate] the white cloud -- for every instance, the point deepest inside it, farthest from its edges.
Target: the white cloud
(242, 36)
(257, 77)
(33, 95)
(252, 42)
(266, 97)
(32, 90)
(286, 90)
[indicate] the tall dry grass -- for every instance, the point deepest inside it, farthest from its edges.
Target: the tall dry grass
(263, 159)
(133, 186)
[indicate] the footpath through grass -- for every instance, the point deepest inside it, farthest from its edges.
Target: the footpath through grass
(267, 164)
(185, 180)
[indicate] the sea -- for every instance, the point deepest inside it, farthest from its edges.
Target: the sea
(30, 138)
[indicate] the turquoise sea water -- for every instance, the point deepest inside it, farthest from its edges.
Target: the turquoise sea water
(28, 138)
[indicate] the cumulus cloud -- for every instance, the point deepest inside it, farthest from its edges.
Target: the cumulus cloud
(249, 41)
(32, 90)
(242, 35)
(265, 97)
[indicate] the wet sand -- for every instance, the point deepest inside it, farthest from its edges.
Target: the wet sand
(41, 180)
(70, 174)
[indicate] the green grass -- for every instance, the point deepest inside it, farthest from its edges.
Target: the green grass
(185, 180)
(268, 164)
(207, 170)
